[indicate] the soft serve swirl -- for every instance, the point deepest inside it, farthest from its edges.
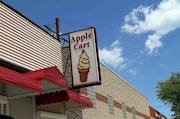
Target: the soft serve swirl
(84, 62)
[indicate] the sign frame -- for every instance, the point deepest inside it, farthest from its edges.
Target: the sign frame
(85, 65)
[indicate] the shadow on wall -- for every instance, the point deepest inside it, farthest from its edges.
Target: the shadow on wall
(5, 117)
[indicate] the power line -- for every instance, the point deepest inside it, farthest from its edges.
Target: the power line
(51, 26)
(79, 24)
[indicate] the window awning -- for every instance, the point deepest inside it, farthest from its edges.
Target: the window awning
(19, 80)
(50, 75)
(71, 99)
(39, 81)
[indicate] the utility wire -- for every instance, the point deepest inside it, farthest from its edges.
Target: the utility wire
(52, 25)
(69, 26)
(74, 23)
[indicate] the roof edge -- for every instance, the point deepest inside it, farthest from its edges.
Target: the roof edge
(123, 79)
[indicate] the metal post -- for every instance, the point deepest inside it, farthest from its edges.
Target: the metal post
(57, 29)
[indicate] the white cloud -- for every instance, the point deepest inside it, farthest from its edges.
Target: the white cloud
(161, 20)
(132, 72)
(112, 56)
(153, 42)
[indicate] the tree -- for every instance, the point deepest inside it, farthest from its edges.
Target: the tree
(169, 92)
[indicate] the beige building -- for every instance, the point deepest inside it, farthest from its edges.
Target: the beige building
(115, 99)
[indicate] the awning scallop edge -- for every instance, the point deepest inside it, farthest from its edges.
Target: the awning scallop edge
(71, 99)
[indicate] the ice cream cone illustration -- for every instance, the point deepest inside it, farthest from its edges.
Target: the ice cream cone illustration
(83, 66)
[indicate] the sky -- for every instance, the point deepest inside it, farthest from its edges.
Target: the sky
(137, 39)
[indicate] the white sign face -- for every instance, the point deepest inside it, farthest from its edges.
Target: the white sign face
(84, 58)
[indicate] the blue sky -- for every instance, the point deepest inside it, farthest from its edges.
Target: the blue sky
(137, 39)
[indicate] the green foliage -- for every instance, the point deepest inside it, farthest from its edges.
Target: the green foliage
(169, 92)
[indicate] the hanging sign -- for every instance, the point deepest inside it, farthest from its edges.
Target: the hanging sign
(84, 58)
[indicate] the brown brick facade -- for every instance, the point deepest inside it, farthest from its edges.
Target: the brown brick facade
(101, 98)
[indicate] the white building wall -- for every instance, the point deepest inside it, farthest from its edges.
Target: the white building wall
(25, 44)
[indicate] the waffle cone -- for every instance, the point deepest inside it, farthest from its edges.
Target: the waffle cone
(83, 73)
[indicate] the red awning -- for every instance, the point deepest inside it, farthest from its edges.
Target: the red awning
(50, 74)
(19, 80)
(71, 99)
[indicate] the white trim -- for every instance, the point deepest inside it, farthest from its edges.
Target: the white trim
(41, 114)
(4, 104)
(2, 108)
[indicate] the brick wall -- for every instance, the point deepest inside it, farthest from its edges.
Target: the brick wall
(67, 64)
(121, 91)
(114, 86)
